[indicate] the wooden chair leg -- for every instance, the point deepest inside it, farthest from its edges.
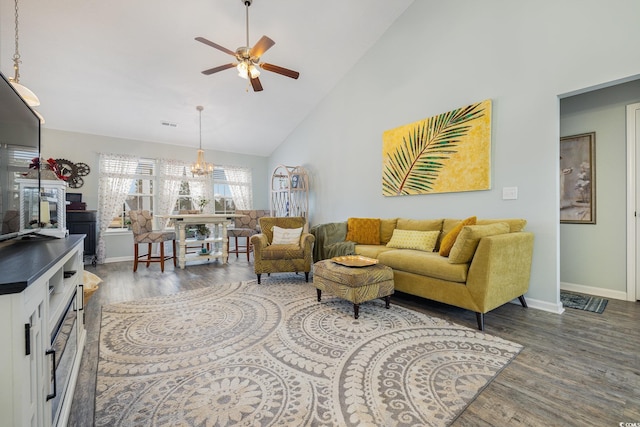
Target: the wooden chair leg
(236, 239)
(149, 255)
(135, 257)
(248, 247)
(162, 257)
(175, 255)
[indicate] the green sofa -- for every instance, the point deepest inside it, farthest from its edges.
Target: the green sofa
(498, 271)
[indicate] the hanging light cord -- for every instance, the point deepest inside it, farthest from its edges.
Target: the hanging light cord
(246, 3)
(16, 55)
(200, 109)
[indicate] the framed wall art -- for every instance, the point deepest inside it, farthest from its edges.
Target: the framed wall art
(446, 153)
(577, 179)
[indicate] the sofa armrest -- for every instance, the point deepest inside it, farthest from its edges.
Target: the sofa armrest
(259, 241)
(327, 235)
(500, 269)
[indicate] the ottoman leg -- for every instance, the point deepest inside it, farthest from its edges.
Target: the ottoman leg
(319, 292)
(387, 301)
(356, 311)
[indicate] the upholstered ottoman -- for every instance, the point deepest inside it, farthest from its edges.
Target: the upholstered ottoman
(355, 284)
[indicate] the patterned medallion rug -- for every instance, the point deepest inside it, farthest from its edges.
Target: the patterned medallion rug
(244, 354)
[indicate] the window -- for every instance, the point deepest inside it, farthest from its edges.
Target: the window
(140, 195)
(222, 193)
(153, 180)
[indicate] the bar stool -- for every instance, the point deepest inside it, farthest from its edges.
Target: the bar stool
(142, 227)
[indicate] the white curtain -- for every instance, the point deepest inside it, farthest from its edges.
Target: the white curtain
(171, 175)
(202, 188)
(116, 177)
(239, 180)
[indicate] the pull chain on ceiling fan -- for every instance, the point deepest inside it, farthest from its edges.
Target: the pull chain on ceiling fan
(248, 59)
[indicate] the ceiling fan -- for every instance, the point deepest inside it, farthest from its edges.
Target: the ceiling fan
(248, 59)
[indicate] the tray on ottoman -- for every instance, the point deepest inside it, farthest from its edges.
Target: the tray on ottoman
(357, 285)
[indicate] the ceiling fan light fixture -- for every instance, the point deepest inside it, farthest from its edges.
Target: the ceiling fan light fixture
(246, 69)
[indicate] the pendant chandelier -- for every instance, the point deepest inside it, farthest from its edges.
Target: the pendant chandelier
(201, 167)
(30, 98)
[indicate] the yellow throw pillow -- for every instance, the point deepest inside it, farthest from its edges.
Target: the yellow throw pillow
(363, 231)
(467, 242)
(450, 238)
(412, 239)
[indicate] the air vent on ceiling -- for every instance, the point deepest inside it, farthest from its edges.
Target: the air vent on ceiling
(168, 123)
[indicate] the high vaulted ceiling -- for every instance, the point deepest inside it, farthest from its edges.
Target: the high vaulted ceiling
(122, 68)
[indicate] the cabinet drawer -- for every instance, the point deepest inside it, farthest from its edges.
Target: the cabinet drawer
(81, 216)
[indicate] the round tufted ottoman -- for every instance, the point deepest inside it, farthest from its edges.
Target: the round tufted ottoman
(355, 284)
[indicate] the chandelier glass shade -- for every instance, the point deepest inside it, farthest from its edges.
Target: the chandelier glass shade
(201, 167)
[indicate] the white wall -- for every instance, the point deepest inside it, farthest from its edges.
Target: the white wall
(78, 147)
(442, 55)
(585, 248)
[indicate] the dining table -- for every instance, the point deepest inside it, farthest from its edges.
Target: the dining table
(216, 245)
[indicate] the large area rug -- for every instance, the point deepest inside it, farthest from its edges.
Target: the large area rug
(261, 355)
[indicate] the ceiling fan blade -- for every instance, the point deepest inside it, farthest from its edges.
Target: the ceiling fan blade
(264, 44)
(216, 69)
(255, 83)
(280, 70)
(215, 45)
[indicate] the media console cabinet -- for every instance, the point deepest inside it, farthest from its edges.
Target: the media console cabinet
(41, 329)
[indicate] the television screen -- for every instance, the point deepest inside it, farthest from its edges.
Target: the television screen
(19, 145)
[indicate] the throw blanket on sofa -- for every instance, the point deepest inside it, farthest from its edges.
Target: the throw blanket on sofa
(330, 241)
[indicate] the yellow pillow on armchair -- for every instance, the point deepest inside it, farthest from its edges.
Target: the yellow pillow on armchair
(363, 231)
(450, 238)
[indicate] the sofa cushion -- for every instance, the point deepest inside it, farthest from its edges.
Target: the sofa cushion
(429, 264)
(364, 231)
(386, 229)
(515, 224)
(371, 251)
(275, 252)
(412, 239)
(450, 238)
(469, 237)
(419, 224)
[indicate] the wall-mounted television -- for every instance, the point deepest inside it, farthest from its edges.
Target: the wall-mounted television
(19, 145)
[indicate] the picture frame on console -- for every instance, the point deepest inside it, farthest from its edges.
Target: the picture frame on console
(577, 179)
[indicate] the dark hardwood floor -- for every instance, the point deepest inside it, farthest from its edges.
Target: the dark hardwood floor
(576, 369)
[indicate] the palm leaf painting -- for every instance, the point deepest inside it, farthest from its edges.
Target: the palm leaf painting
(444, 153)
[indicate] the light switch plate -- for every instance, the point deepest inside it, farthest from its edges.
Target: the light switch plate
(509, 193)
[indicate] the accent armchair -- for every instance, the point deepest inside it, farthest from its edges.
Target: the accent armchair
(276, 257)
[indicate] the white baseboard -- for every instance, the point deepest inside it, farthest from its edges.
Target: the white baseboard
(118, 259)
(589, 290)
(542, 305)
